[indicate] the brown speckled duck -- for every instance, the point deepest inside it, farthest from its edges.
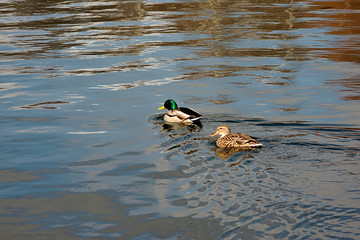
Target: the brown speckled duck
(177, 114)
(234, 140)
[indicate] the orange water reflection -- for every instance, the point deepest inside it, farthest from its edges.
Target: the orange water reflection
(342, 21)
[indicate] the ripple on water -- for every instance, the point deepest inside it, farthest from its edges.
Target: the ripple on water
(273, 191)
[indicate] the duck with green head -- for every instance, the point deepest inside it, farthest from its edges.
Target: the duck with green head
(177, 114)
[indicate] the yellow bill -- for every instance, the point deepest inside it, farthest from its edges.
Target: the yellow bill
(161, 108)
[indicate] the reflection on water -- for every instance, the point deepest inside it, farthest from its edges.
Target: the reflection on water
(227, 153)
(84, 153)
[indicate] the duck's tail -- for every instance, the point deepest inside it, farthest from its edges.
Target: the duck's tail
(195, 118)
(256, 145)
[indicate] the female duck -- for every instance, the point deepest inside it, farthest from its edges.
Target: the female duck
(234, 140)
(177, 114)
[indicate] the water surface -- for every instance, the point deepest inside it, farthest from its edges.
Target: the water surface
(84, 151)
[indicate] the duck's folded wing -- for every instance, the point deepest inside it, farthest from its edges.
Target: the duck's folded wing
(194, 115)
(243, 139)
(240, 138)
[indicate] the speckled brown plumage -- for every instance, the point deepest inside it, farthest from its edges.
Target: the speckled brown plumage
(234, 140)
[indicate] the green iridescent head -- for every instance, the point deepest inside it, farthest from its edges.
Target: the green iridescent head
(169, 105)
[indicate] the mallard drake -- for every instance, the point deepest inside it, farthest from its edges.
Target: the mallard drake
(177, 114)
(234, 140)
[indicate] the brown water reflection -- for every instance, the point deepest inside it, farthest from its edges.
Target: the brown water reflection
(216, 20)
(204, 17)
(342, 19)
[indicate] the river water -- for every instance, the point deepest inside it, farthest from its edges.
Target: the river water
(85, 154)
